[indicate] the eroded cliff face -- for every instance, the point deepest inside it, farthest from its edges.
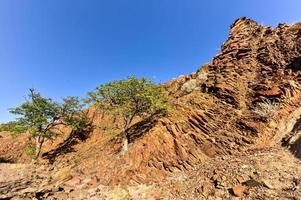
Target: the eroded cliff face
(246, 98)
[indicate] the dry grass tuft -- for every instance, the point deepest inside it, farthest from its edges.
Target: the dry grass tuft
(266, 109)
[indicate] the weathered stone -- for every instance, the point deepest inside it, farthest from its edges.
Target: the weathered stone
(240, 179)
(94, 182)
(267, 184)
(273, 92)
(74, 181)
(239, 190)
(253, 183)
(206, 189)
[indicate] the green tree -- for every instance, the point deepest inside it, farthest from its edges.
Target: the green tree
(129, 98)
(41, 118)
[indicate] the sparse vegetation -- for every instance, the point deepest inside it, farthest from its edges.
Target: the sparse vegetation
(129, 98)
(30, 150)
(121, 194)
(202, 76)
(266, 109)
(189, 86)
(41, 118)
(64, 175)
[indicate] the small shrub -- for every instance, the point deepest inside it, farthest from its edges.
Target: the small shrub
(40, 117)
(64, 175)
(30, 150)
(266, 109)
(202, 76)
(189, 86)
(112, 133)
(121, 194)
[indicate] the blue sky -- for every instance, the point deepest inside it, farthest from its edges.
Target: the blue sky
(68, 47)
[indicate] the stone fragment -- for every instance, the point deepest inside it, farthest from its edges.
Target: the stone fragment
(239, 179)
(74, 181)
(267, 184)
(206, 189)
(94, 182)
(239, 190)
(253, 183)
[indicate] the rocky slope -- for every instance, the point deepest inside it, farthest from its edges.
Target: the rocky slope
(247, 99)
(219, 110)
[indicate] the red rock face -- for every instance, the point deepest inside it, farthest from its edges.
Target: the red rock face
(12, 150)
(216, 117)
(270, 93)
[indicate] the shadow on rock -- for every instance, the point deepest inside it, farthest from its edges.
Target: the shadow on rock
(67, 145)
(293, 140)
(295, 148)
(138, 129)
(5, 160)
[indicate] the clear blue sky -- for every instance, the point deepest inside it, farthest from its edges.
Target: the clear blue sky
(68, 47)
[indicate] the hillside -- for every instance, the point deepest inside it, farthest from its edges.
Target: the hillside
(243, 104)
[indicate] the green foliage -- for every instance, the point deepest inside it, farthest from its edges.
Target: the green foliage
(41, 117)
(73, 115)
(64, 175)
(130, 97)
(111, 133)
(11, 126)
(30, 150)
(36, 116)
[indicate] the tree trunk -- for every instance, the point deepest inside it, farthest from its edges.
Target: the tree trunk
(39, 143)
(126, 136)
(125, 142)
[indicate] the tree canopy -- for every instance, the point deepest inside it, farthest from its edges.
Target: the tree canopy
(129, 98)
(40, 118)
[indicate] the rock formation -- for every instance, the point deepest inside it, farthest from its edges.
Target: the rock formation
(244, 99)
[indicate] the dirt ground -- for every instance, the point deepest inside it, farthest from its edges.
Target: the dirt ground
(272, 173)
(265, 174)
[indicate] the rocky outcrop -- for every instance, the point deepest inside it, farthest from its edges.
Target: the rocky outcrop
(214, 109)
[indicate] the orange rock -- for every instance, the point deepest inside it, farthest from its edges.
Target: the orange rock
(239, 179)
(206, 189)
(274, 91)
(94, 181)
(74, 181)
(239, 190)
(215, 177)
